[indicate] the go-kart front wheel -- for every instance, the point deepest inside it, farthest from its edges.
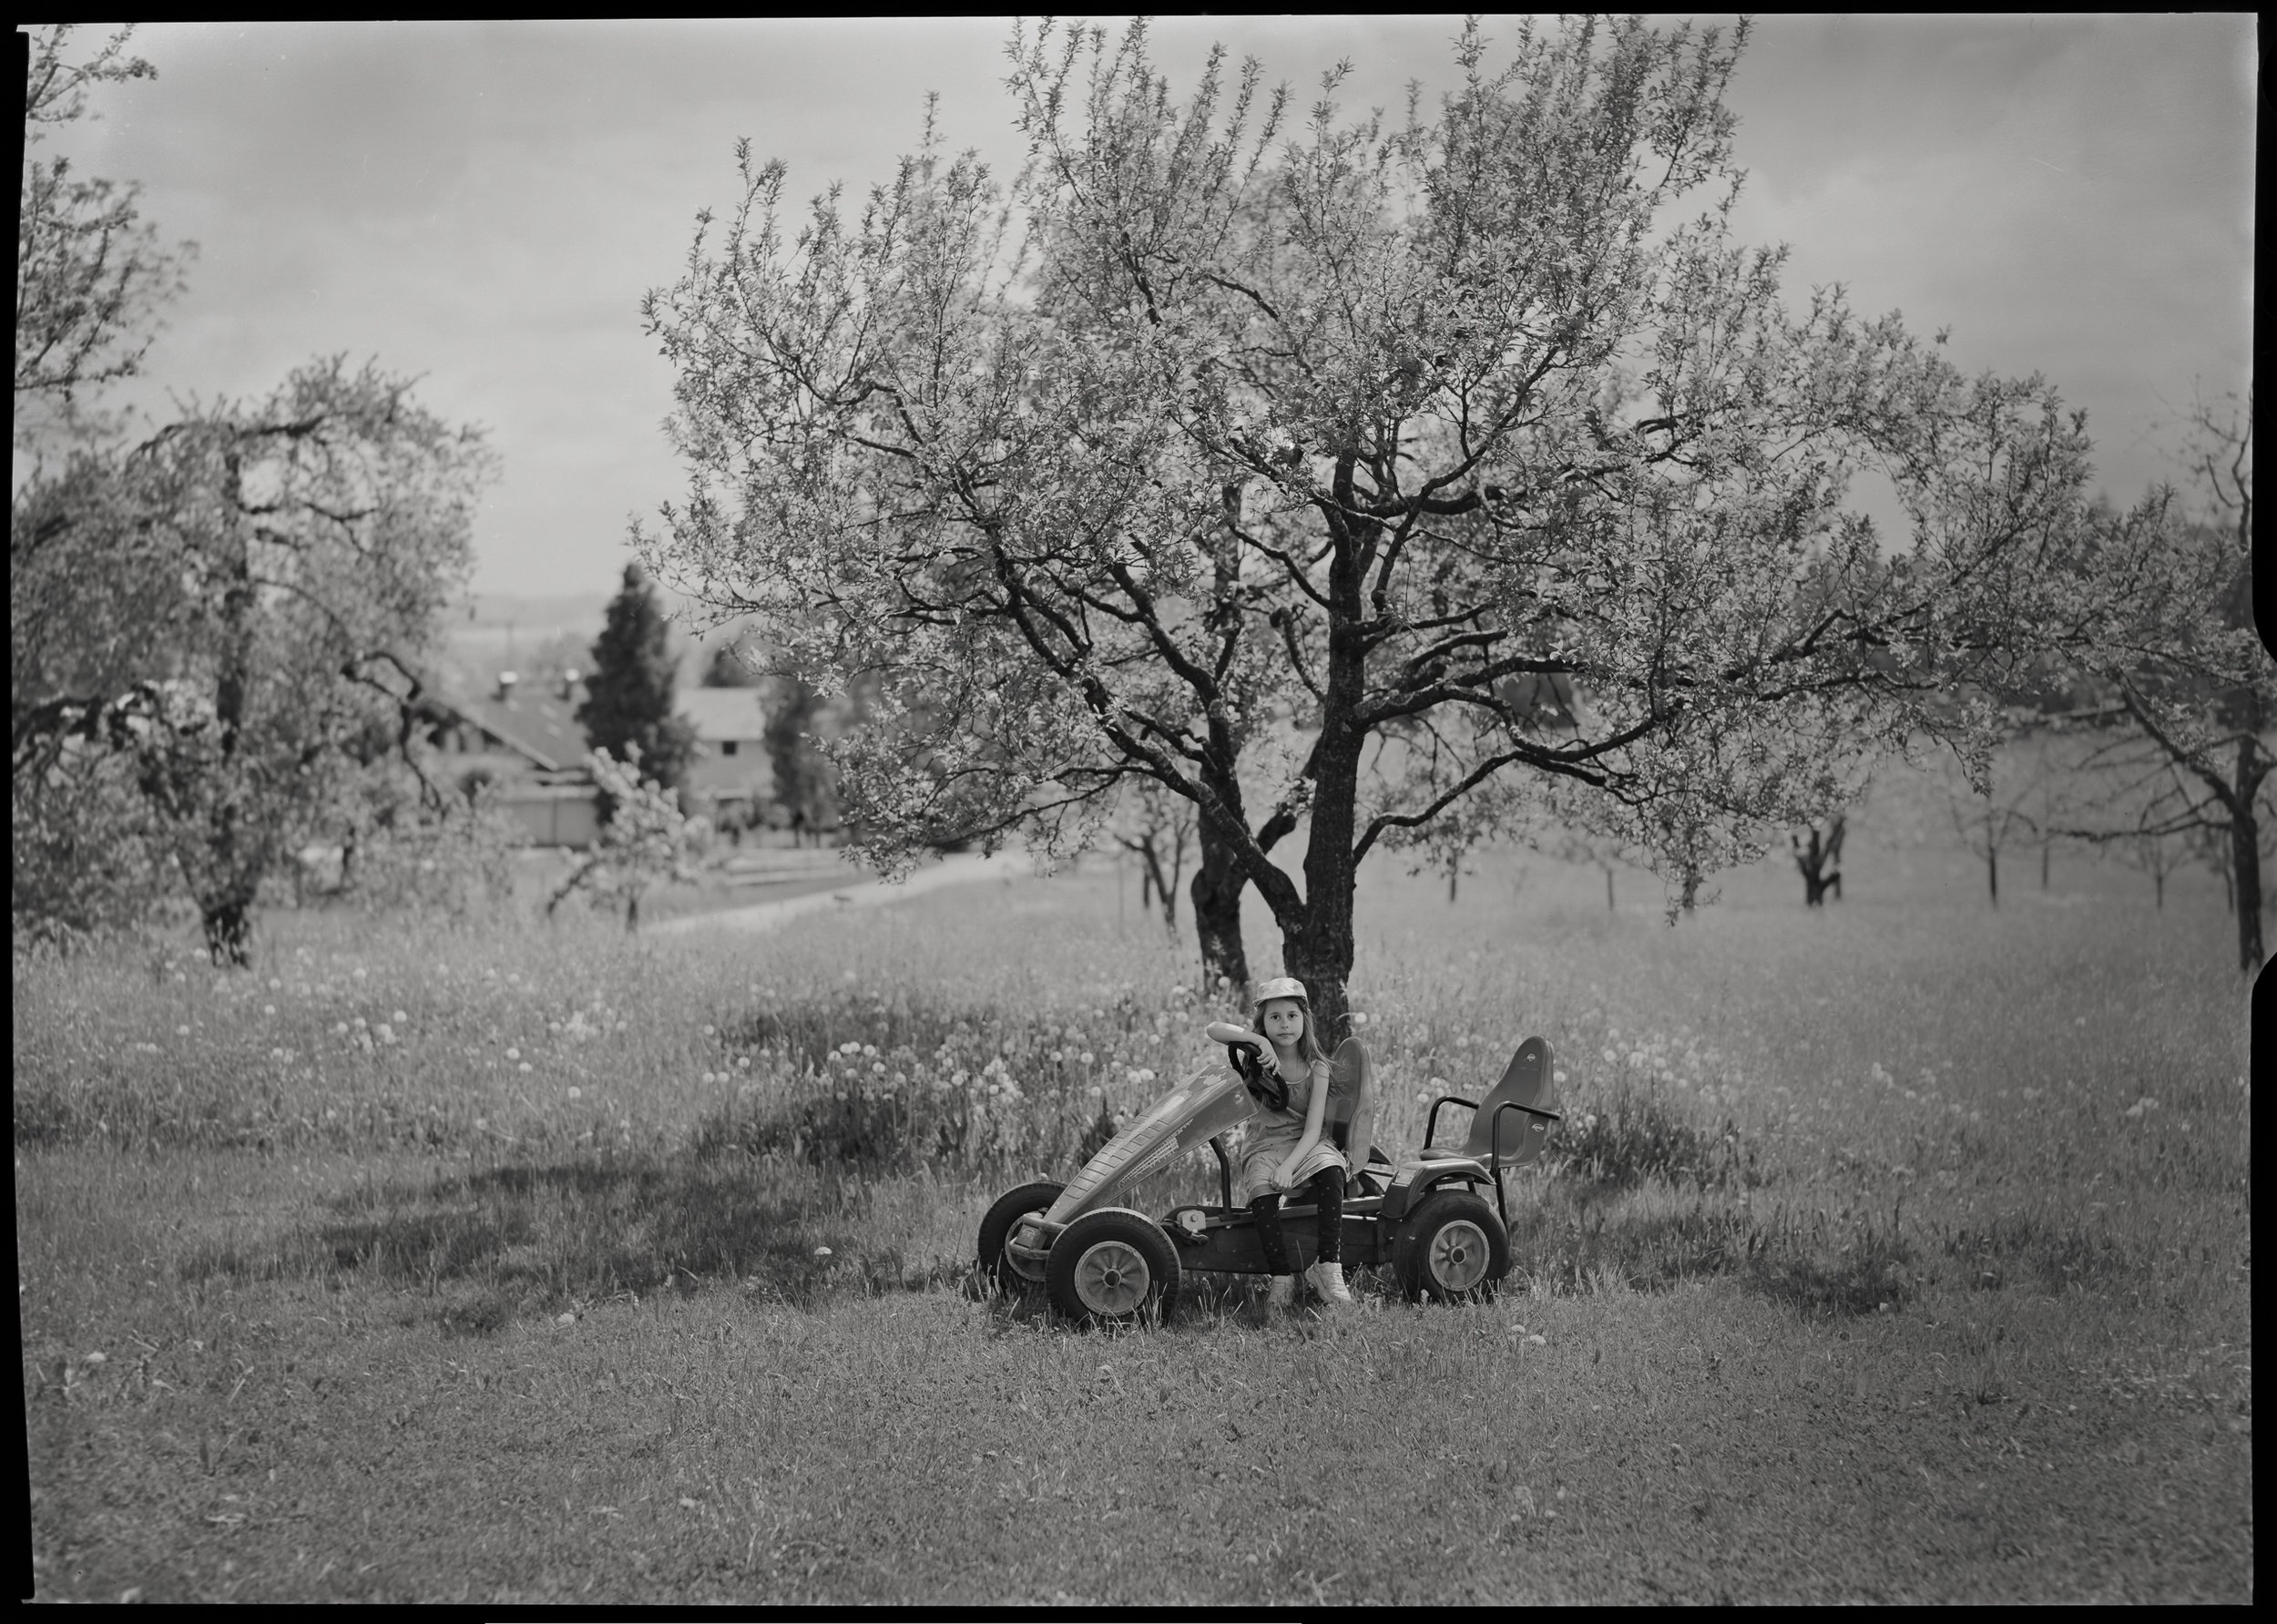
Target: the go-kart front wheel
(999, 1270)
(1452, 1250)
(1112, 1266)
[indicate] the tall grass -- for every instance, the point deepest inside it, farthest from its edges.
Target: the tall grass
(1839, 1109)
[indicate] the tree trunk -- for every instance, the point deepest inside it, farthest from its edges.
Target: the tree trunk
(2158, 880)
(1453, 869)
(1609, 888)
(1217, 897)
(2043, 865)
(234, 856)
(1316, 936)
(1815, 861)
(1691, 896)
(229, 926)
(2245, 857)
(1992, 871)
(1153, 887)
(632, 911)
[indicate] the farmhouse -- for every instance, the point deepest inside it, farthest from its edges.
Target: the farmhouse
(731, 775)
(525, 737)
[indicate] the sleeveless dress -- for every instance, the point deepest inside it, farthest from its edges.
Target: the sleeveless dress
(1268, 1136)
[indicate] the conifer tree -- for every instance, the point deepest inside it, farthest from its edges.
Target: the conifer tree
(629, 700)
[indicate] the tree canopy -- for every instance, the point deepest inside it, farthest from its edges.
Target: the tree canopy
(233, 614)
(1280, 463)
(2154, 607)
(91, 275)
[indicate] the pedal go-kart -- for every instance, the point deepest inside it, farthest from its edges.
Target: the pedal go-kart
(1100, 1261)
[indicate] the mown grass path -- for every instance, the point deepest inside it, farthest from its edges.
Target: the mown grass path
(1699, 1444)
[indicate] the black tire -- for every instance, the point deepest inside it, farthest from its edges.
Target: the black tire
(1453, 1248)
(998, 1271)
(1112, 1267)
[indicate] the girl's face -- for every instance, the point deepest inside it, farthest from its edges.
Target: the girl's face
(1282, 1020)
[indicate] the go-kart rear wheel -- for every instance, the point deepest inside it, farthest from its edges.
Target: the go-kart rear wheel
(999, 1270)
(1112, 1266)
(1452, 1250)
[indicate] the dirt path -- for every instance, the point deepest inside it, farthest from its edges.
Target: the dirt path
(859, 889)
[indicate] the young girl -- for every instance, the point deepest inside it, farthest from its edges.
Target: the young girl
(1285, 1148)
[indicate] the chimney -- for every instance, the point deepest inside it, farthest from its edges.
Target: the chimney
(505, 686)
(570, 683)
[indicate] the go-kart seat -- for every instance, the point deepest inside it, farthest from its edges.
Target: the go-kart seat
(1510, 1126)
(1350, 1118)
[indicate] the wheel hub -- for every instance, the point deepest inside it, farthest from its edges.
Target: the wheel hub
(1459, 1256)
(1112, 1277)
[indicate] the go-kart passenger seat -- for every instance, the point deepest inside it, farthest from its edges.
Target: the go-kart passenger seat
(1350, 1118)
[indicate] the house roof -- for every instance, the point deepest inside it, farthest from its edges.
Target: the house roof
(536, 723)
(541, 726)
(722, 713)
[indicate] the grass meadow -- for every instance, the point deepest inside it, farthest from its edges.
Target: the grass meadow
(1899, 1251)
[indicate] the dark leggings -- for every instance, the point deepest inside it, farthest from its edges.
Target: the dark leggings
(1327, 1190)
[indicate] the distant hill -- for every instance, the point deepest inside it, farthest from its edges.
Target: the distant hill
(536, 633)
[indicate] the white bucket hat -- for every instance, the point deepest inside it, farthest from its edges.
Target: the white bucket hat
(1281, 986)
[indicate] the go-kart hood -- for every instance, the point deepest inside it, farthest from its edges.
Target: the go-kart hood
(1184, 1119)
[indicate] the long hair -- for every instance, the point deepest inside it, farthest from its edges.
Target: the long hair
(1309, 1049)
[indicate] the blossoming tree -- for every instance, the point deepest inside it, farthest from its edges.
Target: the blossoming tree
(2154, 607)
(1280, 466)
(213, 631)
(646, 840)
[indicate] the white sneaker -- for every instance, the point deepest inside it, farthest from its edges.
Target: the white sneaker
(1283, 1293)
(1328, 1281)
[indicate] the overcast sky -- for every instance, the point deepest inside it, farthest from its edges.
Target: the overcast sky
(483, 205)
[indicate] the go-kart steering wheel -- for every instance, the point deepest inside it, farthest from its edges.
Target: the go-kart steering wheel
(1266, 1084)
